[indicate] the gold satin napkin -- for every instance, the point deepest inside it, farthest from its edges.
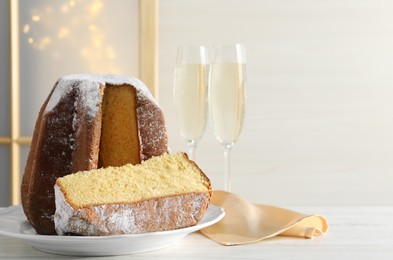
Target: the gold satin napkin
(245, 222)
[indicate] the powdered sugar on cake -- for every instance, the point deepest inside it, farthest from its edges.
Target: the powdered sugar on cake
(156, 214)
(88, 98)
(151, 133)
(89, 86)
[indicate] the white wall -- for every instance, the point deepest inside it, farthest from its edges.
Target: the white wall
(319, 119)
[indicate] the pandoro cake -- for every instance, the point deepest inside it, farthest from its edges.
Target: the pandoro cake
(163, 193)
(88, 121)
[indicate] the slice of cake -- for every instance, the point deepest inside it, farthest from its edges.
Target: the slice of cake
(163, 193)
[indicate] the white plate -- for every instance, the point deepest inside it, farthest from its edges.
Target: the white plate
(13, 223)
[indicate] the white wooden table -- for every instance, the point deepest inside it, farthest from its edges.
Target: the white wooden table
(355, 233)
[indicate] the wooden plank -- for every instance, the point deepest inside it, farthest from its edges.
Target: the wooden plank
(355, 233)
(24, 140)
(5, 140)
(148, 44)
(15, 113)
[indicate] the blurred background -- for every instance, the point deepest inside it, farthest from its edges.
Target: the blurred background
(318, 127)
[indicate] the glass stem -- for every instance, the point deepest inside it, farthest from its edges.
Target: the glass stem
(192, 144)
(227, 176)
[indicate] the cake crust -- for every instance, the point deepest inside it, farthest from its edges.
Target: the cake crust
(156, 214)
(67, 135)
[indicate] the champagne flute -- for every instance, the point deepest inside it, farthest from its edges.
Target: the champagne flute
(190, 94)
(227, 98)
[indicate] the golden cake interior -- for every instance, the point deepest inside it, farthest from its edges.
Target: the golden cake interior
(119, 142)
(160, 176)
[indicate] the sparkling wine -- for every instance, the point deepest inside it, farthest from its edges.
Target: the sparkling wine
(190, 94)
(227, 99)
